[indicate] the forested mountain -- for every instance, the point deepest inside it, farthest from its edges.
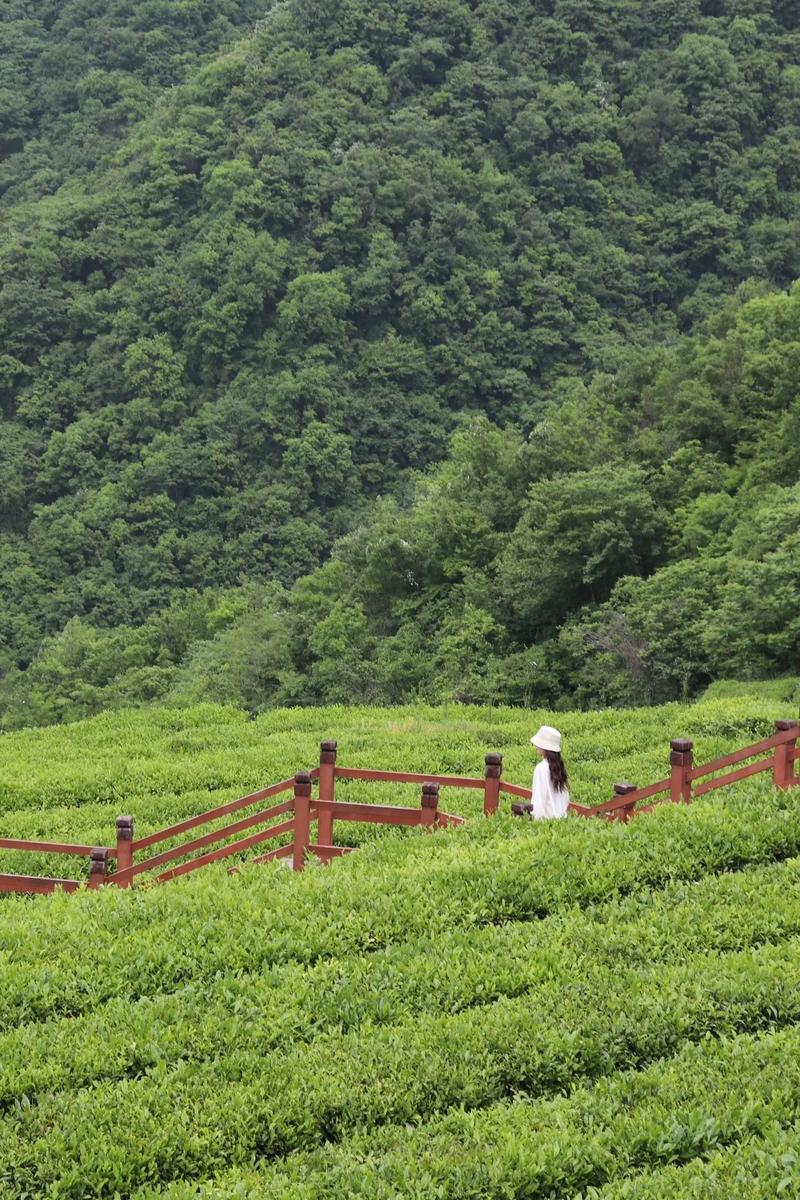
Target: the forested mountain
(251, 295)
(76, 74)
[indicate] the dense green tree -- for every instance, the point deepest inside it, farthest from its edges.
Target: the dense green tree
(578, 534)
(442, 329)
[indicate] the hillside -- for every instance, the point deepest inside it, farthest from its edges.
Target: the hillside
(409, 373)
(250, 290)
(78, 74)
(508, 1008)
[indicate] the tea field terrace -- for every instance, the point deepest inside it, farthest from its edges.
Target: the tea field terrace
(165, 765)
(503, 1009)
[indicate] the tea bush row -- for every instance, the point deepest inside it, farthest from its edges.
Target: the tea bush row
(194, 1120)
(730, 1111)
(162, 765)
(167, 752)
(70, 954)
(757, 1168)
(450, 971)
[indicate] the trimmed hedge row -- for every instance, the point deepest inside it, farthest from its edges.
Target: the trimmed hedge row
(453, 970)
(70, 783)
(735, 1104)
(757, 1168)
(194, 1120)
(164, 752)
(70, 954)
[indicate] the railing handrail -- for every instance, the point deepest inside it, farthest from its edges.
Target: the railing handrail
(52, 847)
(626, 802)
(207, 839)
(37, 884)
(367, 775)
(781, 748)
(204, 860)
(379, 814)
(728, 760)
(685, 773)
(212, 814)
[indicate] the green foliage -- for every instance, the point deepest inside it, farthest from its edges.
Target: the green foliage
(687, 1110)
(436, 355)
(464, 967)
(77, 77)
(786, 689)
(575, 1006)
(623, 582)
(85, 669)
(578, 534)
(254, 290)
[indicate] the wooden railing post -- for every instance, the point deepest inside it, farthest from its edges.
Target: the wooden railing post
(430, 804)
(327, 786)
(302, 818)
(783, 768)
(681, 760)
(625, 811)
(124, 846)
(491, 787)
(98, 868)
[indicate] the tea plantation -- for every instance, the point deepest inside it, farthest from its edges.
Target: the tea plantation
(506, 1009)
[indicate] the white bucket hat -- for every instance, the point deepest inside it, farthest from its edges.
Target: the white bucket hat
(547, 738)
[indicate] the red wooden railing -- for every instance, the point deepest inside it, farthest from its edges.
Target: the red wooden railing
(97, 856)
(300, 812)
(777, 754)
(127, 845)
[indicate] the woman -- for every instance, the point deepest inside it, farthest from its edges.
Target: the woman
(549, 795)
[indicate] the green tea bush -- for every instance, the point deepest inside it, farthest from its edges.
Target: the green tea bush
(461, 968)
(197, 1118)
(785, 690)
(503, 1009)
(756, 1168)
(168, 752)
(762, 1166)
(712, 1099)
(112, 943)
(163, 765)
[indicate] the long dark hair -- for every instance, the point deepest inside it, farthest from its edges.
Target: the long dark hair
(558, 772)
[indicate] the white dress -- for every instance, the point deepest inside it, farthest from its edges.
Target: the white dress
(547, 802)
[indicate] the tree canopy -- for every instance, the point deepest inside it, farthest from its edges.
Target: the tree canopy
(429, 340)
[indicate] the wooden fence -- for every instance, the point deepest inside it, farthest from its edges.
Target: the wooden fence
(777, 754)
(299, 812)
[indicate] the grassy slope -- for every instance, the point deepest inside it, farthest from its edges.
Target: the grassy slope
(536, 1001)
